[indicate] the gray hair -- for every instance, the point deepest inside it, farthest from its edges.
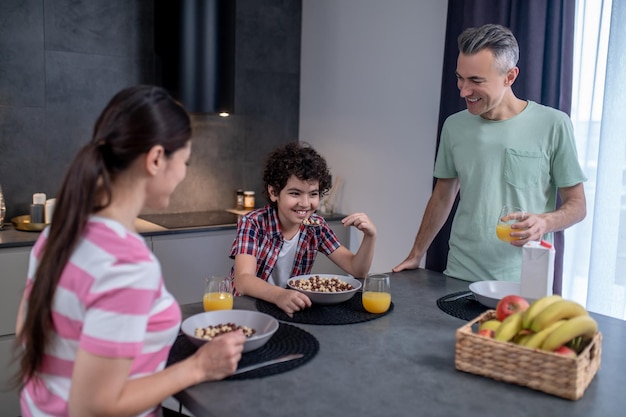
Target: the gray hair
(498, 39)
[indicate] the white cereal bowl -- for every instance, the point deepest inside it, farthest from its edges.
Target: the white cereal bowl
(264, 325)
(318, 297)
(488, 293)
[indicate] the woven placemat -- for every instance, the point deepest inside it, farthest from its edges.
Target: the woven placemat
(287, 339)
(348, 312)
(465, 308)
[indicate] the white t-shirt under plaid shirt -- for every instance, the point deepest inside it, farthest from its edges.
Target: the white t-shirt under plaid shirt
(110, 301)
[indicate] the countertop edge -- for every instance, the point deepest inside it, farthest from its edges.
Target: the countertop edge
(13, 238)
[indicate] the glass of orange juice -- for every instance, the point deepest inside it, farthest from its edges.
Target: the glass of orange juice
(217, 294)
(376, 293)
(508, 216)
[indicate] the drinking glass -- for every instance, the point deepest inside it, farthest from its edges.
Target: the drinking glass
(508, 216)
(376, 293)
(217, 294)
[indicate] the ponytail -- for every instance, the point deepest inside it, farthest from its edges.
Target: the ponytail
(76, 200)
(135, 120)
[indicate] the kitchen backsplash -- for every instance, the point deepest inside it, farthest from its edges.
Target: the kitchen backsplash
(65, 66)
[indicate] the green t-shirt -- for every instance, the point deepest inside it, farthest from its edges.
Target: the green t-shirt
(519, 162)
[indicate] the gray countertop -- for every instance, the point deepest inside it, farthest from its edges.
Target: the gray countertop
(11, 237)
(193, 222)
(402, 364)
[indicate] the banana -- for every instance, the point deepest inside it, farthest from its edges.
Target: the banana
(489, 324)
(536, 340)
(509, 327)
(521, 337)
(559, 310)
(583, 325)
(536, 307)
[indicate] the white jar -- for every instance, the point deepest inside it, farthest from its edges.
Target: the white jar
(49, 209)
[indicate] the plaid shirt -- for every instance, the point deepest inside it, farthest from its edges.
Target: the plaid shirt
(259, 235)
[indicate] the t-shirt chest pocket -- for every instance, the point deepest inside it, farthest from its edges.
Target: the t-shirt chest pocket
(522, 169)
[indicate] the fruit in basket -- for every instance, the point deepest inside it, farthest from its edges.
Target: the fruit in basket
(522, 336)
(536, 339)
(489, 325)
(566, 351)
(536, 307)
(582, 325)
(486, 332)
(509, 327)
(510, 304)
(559, 310)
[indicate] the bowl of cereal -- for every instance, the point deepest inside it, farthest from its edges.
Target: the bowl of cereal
(258, 327)
(325, 288)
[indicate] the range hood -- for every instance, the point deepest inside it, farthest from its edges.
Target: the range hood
(195, 52)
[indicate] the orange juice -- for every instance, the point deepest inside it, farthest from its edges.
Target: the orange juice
(376, 302)
(218, 301)
(503, 231)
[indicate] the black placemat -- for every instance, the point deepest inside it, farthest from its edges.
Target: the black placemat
(287, 339)
(348, 312)
(465, 308)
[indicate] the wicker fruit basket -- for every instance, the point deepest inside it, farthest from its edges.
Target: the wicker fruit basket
(542, 371)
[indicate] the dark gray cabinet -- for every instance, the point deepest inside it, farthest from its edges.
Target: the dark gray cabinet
(14, 263)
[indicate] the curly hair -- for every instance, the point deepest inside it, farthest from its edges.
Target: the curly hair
(300, 160)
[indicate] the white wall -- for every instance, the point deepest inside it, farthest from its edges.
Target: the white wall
(369, 103)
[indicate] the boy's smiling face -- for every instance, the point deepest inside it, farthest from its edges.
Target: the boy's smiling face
(296, 202)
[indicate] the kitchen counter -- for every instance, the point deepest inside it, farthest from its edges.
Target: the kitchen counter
(402, 364)
(152, 225)
(11, 237)
(194, 246)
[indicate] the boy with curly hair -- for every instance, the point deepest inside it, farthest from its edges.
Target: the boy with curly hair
(282, 239)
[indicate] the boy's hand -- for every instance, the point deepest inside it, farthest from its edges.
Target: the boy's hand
(291, 301)
(361, 222)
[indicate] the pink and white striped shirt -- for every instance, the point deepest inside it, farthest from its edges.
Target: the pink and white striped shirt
(111, 301)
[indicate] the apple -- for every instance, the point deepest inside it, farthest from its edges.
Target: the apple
(566, 351)
(486, 332)
(510, 304)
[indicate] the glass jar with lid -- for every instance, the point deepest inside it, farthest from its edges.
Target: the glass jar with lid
(248, 200)
(239, 201)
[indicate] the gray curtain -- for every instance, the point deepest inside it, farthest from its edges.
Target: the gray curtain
(545, 32)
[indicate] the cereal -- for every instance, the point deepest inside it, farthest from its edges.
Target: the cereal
(210, 332)
(318, 284)
(311, 222)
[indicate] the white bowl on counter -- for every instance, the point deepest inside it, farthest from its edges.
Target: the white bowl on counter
(264, 325)
(318, 297)
(488, 293)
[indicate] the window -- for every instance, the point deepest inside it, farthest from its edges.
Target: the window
(595, 255)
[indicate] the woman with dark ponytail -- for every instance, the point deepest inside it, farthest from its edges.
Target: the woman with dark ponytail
(96, 322)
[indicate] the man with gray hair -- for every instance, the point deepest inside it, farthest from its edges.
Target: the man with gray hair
(501, 151)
